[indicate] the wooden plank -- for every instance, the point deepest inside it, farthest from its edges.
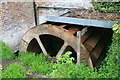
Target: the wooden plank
(86, 35)
(98, 49)
(96, 52)
(37, 13)
(92, 41)
(78, 46)
(62, 26)
(73, 30)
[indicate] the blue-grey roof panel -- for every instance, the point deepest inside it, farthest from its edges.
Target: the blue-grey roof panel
(78, 21)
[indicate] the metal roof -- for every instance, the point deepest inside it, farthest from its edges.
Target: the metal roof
(78, 21)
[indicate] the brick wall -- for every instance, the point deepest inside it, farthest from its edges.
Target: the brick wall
(16, 19)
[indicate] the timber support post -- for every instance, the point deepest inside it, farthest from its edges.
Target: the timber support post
(78, 46)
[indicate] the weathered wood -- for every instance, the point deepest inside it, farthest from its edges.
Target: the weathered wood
(84, 30)
(73, 30)
(60, 52)
(90, 62)
(96, 52)
(72, 40)
(78, 46)
(61, 26)
(41, 45)
(86, 35)
(92, 41)
(37, 16)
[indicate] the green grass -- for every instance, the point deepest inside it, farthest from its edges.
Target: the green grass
(38, 63)
(5, 51)
(14, 71)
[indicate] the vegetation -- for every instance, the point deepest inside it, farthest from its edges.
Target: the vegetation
(67, 69)
(0, 70)
(5, 51)
(116, 27)
(107, 6)
(14, 71)
(38, 63)
(110, 68)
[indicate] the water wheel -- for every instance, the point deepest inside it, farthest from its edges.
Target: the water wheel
(55, 39)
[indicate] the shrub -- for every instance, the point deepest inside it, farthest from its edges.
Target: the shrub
(116, 28)
(14, 71)
(67, 69)
(110, 68)
(28, 58)
(107, 6)
(42, 67)
(38, 63)
(0, 71)
(5, 51)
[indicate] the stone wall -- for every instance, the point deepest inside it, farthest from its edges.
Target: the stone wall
(16, 19)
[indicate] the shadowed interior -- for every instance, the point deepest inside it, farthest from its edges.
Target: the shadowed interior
(34, 46)
(51, 43)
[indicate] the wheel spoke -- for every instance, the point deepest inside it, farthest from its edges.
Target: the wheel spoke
(90, 62)
(60, 52)
(42, 47)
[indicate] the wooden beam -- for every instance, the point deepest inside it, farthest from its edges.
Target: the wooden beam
(78, 46)
(37, 12)
(41, 45)
(60, 52)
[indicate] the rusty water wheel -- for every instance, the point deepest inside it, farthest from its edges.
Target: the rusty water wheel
(37, 39)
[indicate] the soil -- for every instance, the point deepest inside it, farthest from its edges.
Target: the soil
(6, 63)
(92, 14)
(36, 75)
